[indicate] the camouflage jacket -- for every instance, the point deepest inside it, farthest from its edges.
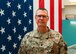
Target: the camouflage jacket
(50, 42)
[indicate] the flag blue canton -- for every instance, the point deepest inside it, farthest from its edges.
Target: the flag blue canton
(16, 19)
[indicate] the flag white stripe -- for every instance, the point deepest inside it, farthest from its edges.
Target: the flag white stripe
(35, 7)
(56, 25)
(47, 6)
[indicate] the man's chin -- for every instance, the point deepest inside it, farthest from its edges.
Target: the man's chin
(41, 25)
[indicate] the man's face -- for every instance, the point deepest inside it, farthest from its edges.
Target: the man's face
(41, 18)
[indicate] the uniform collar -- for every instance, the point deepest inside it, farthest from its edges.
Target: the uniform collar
(42, 35)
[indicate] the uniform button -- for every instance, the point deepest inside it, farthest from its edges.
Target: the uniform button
(41, 44)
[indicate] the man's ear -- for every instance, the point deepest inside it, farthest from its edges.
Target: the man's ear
(35, 17)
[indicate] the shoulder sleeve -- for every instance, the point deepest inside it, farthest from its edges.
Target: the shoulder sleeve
(22, 47)
(62, 47)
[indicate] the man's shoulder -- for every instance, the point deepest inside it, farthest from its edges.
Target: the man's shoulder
(28, 35)
(31, 33)
(55, 35)
(54, 32)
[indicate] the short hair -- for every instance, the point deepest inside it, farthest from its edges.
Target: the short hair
(42, 9)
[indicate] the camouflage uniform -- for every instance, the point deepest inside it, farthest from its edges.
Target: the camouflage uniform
(50, 42)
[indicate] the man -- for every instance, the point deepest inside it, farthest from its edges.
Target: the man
(43, 40)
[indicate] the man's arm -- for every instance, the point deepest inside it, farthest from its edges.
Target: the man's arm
(21, 50)
(63, 47)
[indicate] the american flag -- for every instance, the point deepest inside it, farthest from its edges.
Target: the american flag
(17, 18)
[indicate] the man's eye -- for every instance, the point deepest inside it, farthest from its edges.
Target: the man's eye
(39, 16)
(44, 16)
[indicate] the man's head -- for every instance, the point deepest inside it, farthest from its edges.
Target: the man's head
(41, 17)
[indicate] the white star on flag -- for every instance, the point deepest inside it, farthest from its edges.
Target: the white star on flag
(14, 30)
(3, 48)
(10, 53)
(15, 45)
(19, 6)
(8, 21)
(19, 21)
(25, 14)
(19, 37)
(30, 7)
(8, 4)
(13, 13)
(1, 12)
(9, 38)
(25, 29)
(25, 1)
(30, 21)
(2, 30)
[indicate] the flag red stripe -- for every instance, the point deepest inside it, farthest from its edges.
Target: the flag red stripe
(60, 15)
(52, 14)
(41, 3)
